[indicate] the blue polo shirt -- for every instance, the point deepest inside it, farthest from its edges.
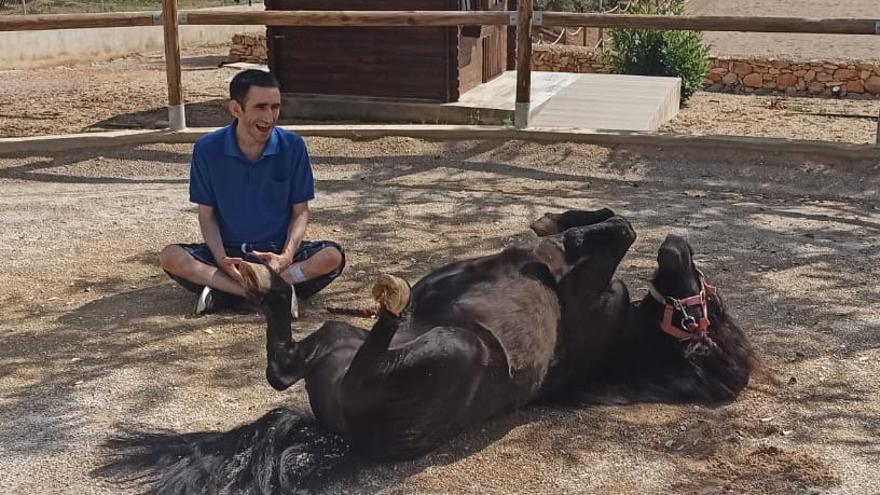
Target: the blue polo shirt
(253, 201)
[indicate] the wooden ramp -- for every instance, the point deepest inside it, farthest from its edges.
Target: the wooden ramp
(560, 100)
(585, 101)
(611, 102)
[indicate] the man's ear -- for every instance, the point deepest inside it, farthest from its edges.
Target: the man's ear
(235, 108)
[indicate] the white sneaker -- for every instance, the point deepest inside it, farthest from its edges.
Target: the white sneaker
(294, 304)
(205, 303)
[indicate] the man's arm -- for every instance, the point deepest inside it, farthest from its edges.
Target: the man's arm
(211, 233)
(295, 233)
(296, 230)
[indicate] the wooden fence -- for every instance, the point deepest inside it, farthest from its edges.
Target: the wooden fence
(523, 18)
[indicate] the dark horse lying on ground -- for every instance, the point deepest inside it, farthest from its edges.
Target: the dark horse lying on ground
(473, 340)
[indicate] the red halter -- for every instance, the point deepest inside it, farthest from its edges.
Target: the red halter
(690, 328)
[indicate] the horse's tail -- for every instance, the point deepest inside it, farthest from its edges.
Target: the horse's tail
(282, 452)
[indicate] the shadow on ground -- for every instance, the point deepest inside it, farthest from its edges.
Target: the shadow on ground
(753, 220)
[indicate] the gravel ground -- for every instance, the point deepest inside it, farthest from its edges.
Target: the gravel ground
(845, 120)
(94, 338)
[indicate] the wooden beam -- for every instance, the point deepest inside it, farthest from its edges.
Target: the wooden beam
(865, 155)
(350, 18)
(511, 41)
(551, 19)
(176, 113)
(865, 26)
(877, 136)
(75, 21)
(523, 63)
(715, 23)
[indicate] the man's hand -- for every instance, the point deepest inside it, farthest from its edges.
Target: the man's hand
(276, 262)
(230, 267)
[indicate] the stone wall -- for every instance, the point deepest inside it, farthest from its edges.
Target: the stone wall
(794, 78)
(568, 58)
(731, 75)
(248, 47)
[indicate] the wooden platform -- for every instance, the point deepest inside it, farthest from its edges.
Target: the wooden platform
(559, 100)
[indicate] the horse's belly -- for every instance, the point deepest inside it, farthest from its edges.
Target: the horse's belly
(523, 317)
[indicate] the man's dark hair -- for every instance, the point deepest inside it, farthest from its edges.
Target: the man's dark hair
(242, 82)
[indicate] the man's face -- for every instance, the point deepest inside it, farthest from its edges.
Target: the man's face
(259, 114)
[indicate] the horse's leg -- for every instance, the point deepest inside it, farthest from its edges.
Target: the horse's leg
(594, 306)
(595, 251)
(402, 402)
(555, 223)
(392, 294)
(287, 361)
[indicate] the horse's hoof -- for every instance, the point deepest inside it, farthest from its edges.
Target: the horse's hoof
(257, 277)
(392, 293)
(546, 225)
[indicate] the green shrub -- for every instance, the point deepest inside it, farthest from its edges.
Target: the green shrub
(573, 5)
(662, 53)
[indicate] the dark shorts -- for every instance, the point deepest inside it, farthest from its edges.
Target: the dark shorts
(306, 250)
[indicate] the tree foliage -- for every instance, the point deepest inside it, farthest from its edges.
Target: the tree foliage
(662, 53)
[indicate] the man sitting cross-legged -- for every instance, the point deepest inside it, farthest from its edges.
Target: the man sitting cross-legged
(252, 182)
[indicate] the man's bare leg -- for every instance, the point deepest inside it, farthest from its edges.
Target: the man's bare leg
(176, 261)
(321, 263)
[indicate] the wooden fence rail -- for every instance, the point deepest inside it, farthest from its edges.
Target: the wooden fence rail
(414, 18)
(76, 21)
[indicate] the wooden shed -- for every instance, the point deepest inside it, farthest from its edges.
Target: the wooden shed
(435, 64)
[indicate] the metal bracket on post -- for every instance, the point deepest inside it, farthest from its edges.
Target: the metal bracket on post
(183, 18)
(876, 27)
(877, 136)
(538, 18)
(157, 18)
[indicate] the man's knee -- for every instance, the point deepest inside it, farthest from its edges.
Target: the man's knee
(335, 258)
(173, 259)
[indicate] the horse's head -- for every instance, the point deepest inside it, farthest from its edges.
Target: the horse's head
(694, 314)
(686, 297)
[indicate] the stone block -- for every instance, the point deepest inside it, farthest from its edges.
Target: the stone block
(753, 80)
(742, 68)
(786, 81)
(845, 74)
(855, 87)
(872, 85)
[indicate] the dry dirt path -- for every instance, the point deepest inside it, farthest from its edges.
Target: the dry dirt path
(94, 338)
(799, 46)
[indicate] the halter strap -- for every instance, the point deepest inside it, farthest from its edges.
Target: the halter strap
(690, 328)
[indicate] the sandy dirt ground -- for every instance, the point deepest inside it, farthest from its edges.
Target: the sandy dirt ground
(800, 46)
(94, 338)
(131, 93)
